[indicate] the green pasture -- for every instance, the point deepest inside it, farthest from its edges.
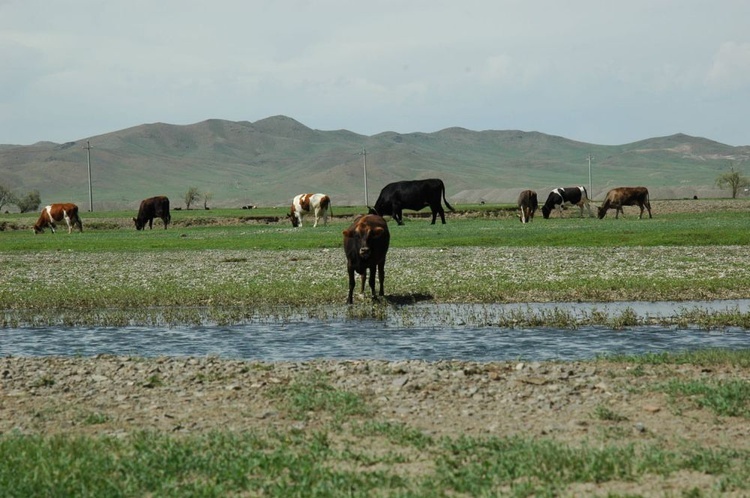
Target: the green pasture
(482, 226)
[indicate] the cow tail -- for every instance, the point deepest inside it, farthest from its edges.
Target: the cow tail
(446, 200)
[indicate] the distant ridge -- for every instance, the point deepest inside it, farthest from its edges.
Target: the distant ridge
(268, 161)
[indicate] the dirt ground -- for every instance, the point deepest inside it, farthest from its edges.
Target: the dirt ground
(564, 401)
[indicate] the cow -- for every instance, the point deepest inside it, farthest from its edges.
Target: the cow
(56, 213)
(625, 196)
(414, 195)
(366, 245)
(568, 196)
(318, 204)
(153, 207)
(527, 204)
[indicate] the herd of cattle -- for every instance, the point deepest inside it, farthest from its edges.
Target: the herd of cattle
(367, 239)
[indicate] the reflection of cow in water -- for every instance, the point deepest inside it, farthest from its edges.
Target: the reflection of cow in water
(625, 196)
(568, 196)
(57, 213)
(318, 204)
(153, 207)
(366, 245)
(414, 195)
(527, 203)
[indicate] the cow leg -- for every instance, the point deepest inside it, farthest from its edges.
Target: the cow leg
(441, 213)
(381, 276)
(373, 270)
(150, 223)
(351, 285)
(52, 226)
(648, 206)
(398, 216)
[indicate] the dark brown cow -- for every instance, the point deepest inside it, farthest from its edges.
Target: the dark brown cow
(625, 196)
(56, 213)
(153, 207)
(366, 245)
(527, 203)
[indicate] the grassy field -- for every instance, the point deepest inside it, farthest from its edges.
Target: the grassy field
(234, 264)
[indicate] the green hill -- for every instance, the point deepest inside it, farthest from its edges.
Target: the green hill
(271, 160)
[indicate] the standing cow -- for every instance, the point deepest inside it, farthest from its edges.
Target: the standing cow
(625, 196)
(527, 204)
(153, 207)
(366, 245)
(318, 204)
(414, 195)
(56, 213)
(568, 196)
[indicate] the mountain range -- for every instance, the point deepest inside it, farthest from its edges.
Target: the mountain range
(267, 162)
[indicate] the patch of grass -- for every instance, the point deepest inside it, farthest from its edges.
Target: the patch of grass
(703, 357)
(602, 412)
(314, 395)
(725, 398)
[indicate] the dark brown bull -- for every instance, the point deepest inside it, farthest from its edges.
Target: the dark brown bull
(153, 207)
(528, 204)
(366, 245)
(56, 213)
(625, 196)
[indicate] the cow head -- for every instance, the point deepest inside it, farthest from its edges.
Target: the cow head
(371, 210)
(602, 212)
(139, 225)
(293, 217)
(546, 211)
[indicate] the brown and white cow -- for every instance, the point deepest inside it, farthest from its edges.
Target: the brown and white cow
(57, 213)
(527, 204)
(567, 196)
(625, 196)
(318, 204)
(153, 207)
(366, 244)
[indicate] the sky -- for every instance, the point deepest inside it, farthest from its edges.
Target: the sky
(599, 71)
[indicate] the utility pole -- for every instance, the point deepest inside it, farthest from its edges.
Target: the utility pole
(88, 157)
(591, 191)
(364, 167)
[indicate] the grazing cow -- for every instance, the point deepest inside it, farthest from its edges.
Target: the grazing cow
(625, 196)
(153, 207)
(56, 213)
(527, 203)
(568, 196)
(414, 195)
(318, 204)
(366, 245)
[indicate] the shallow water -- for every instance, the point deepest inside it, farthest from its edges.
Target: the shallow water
(363, 340)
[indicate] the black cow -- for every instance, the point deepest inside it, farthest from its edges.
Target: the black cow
(366, 245)
(568, 196)
(625, 196)
(528, 204)
(411, 194)
(153, 207)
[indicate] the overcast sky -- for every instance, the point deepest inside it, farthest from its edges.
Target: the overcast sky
(599, 71)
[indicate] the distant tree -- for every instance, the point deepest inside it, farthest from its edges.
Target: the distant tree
(207, 196)
(191, 196)
(6, 196)
(732, 179)
(29, 202)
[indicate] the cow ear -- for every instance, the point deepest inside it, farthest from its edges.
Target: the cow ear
(377, 231)
(347, 233)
